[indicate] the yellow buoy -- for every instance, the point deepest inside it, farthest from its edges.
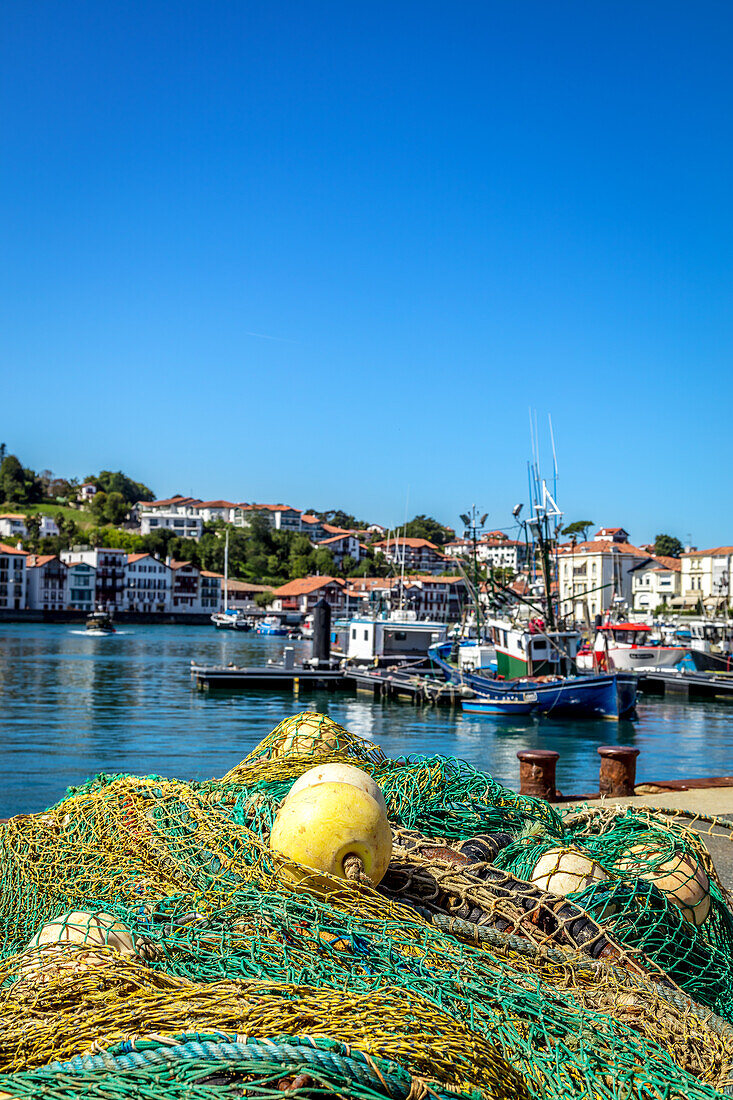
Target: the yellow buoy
(566, 870)
(339, 773)
(319, 827)
(679, 876)
(305, 733)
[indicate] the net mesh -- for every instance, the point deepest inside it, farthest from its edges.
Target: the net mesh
(152, 944)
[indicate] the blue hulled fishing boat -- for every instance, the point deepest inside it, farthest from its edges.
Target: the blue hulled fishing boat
(612, 695)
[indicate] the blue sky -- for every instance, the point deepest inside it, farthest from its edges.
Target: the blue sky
(330, 254)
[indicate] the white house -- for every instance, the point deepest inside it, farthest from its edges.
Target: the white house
(241, 596)
(47, 583)
(12, 578)
(178, 514)
(654, 583)
(12, 525)
(313, 527)
(280, 516)
(706, 577)
(148, 584)
(86, 492)
(343, 545)
(211, 510)
(81, 585)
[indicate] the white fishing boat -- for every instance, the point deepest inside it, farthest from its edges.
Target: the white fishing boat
(397, 637)
(628, 647)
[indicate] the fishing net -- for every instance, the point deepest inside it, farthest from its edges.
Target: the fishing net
(185, 960)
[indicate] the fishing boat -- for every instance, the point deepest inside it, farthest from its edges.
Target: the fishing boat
(272, 627)
(612, 695)
(625, 646)
(99, 623)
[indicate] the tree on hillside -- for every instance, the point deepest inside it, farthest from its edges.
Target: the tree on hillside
(338, 518)
(108, 481)
(425, 527)
(12, 480)
(580, 527)
(33, 527)
(667, 546)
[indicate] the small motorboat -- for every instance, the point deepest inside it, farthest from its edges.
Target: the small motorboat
(272, 627)
(508, 706)
(100, 622)
(230, 620)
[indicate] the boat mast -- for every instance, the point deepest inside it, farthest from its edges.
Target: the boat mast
(474, 526)
(226, 572)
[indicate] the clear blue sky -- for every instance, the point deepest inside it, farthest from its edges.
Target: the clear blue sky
(331, 253)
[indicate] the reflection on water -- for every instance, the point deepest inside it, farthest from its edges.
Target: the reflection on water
(73, 705)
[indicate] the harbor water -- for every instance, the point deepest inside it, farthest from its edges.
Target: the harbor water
(73, 705)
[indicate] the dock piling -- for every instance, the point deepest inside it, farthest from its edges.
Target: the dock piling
(618, 770)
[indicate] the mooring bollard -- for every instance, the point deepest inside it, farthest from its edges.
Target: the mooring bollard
(618, 769)
(537, 772)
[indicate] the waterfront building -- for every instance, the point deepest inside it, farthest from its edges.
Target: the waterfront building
(81, 585)
(656, 582)
(303, 594)
(592, 574)
(499, 552)
(211, 591)
(12, 578)
(148, 584)
(110, 567)
(417, 554)
(280, 516)
(47, 583)
(186, 596)
(241, 596)
(706, 578)
(343, 545)
(178, 514)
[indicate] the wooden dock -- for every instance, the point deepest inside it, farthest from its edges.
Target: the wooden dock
(275, 677)
(402, 684)
(683, 685)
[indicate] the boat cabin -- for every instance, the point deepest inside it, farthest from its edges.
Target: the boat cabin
(631, 634)
(531, 650)
(399, 638)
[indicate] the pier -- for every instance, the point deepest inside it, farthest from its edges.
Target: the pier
(683, 685)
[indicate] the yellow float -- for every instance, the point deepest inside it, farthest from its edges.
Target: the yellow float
(339, 773)
(306, 733)
(321, 826)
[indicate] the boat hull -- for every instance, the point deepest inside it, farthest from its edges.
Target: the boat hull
(633, 658)
(507, 708)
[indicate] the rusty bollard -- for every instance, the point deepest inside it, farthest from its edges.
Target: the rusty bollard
(537, 772)
(618, 769)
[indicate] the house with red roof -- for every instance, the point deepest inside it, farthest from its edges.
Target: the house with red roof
(178, 514)
(148, 584)
(12, 578)
(417, 554)
(303, 594)
(47, 583)
(342, 545)
(592, 574)
(280, 516)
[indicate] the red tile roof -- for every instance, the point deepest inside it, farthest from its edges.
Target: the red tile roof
(415, 544)
(5, 549)
(304, 585)
(336, 530)
(36, 560)
(601, 546)
(12, 515)
(181, 564)
(171, 500)
(267, 508)
(336, 538)
(716, 552)
(208, 573)
(214, 504)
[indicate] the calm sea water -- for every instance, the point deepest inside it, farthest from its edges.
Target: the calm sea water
(71, 706)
